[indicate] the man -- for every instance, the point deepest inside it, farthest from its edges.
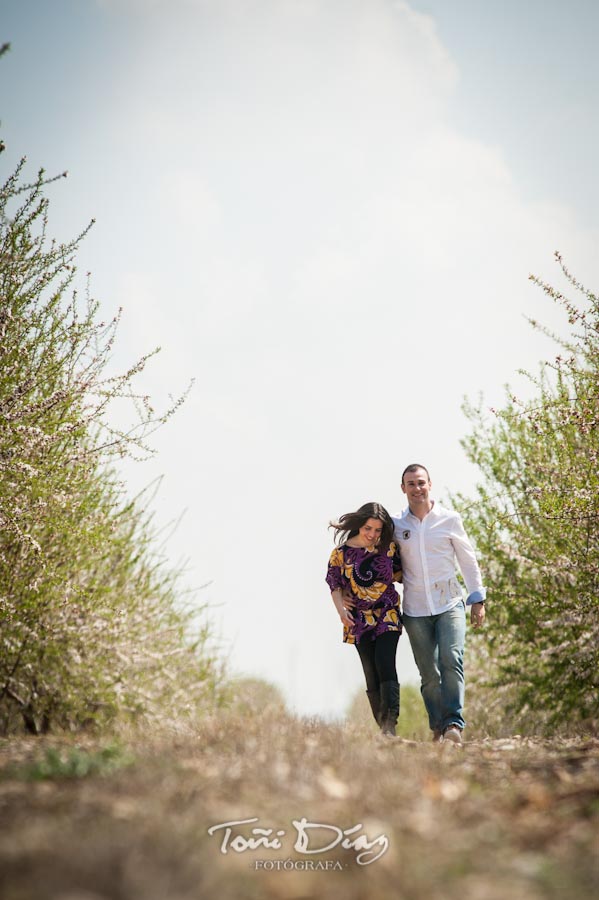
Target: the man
(431, 539)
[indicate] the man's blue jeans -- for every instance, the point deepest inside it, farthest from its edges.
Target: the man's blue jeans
(438, 648)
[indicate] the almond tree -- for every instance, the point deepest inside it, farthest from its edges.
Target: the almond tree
(93, 624)
(536, 524)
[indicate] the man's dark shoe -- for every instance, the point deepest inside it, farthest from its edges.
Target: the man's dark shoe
(437, 736)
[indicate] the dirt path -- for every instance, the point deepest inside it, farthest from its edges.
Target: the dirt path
(493, 820)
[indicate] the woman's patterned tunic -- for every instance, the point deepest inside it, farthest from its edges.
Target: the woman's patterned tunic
(368, 576)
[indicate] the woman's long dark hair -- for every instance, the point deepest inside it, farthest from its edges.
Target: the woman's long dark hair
(350, 523)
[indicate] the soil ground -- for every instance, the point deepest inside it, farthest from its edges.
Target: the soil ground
(491, 820)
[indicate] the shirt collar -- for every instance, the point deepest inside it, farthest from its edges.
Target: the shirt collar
(433, 511)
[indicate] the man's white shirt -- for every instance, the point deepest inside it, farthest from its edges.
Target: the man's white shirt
(429, 551)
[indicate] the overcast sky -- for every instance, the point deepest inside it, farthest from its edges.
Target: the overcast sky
(324, 211)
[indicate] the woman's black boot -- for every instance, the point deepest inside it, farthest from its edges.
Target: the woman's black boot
(389, 706)
(374, 698)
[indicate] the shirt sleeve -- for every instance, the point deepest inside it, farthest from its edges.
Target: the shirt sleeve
(396, 562)
(334, 577)
(466, 558)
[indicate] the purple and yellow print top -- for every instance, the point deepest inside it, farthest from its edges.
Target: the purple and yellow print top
(368, 577)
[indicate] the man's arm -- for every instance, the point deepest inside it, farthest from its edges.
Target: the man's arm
(470, 570)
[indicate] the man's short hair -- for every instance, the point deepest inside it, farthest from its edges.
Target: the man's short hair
(413, 467)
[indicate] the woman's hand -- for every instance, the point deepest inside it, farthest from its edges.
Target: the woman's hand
(343, 604)
(348, 601)
(346, 617)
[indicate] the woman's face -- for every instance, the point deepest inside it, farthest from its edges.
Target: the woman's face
(370, 532)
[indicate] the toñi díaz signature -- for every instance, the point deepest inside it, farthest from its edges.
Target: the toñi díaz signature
(309, 837)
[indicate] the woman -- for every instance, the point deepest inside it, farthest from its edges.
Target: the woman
(362, 569)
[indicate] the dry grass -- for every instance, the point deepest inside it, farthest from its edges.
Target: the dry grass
(493, 820)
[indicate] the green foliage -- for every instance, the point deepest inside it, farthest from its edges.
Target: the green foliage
(536, 526)
(413, 720)
(412, 723)
(92, 622)
(77, 762)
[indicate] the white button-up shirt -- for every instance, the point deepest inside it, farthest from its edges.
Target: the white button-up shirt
(429, 551)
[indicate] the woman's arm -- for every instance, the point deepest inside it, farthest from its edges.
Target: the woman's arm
(344, 614)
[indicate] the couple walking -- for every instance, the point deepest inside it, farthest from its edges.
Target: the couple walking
(420, 548)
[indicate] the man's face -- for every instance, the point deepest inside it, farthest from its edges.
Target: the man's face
(416, 486)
